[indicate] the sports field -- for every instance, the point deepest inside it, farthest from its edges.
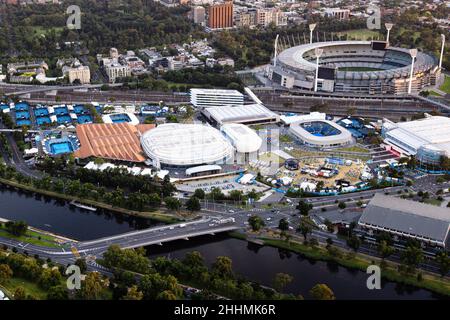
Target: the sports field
(358, 69)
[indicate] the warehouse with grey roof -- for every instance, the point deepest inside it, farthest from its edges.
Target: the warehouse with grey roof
(408, 219)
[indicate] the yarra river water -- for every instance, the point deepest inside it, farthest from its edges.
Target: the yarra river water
(252, 261)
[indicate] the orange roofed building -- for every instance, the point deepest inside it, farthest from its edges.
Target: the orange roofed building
(114, 141)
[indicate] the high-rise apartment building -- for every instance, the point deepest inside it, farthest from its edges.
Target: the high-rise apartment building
(220, 15)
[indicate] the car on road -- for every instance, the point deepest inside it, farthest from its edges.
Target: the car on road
(231, 211)
(269, 218)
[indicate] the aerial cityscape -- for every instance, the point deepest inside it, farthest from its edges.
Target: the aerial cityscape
(213, 150)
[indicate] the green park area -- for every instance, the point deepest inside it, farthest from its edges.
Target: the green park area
(360, 261)
(446, 85)
(31, 288)
(31, 237)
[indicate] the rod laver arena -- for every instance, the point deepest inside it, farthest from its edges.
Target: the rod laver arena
(364, 67)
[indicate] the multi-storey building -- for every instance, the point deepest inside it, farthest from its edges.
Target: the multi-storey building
(220, 15)
(202, 98)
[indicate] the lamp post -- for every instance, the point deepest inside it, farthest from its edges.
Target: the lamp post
(312, 26)
(318, 52)
(442, 50)
(413, 53)
(388, 28)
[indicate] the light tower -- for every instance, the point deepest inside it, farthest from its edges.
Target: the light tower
(275, 51)
(442, 50)
(388, 28)
(413, 53)
(312, 26)
(318, 52)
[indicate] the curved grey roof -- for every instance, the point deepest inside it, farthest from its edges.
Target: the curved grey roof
(296, 58)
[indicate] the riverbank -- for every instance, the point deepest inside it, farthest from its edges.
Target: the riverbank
(157, 216)
(36, 236)
(358, 261)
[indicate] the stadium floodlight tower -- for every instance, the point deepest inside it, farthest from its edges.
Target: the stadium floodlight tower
(388, 28)
(413, 53)
(442, 50)
(275, 47)
(318, 52)
(312, 26)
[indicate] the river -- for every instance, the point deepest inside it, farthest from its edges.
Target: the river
(252, 261)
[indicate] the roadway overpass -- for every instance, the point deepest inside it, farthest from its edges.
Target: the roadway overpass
(69, 252)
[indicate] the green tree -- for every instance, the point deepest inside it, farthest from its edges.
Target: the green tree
(443, 261)
(91, 287)
(17, 228)
(81, 263)
(5, 273)
(20, 294)
(199, 193)
(412, 257)
(57, 293)
(322, 292)
(50, 278)
(342, 205)
(354, 242)
(304, 228)
(304, 207)
(281, 280)
(166, 295)
(384, 249)
(172, 203)
(256, 223)
(193, 204)
(133, 294)
(222, 267)
(283, 225)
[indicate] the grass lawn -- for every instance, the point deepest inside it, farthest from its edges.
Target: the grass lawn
(39, 30)
(359, 261)
(446, 85)
(434, 202)
(354, 149)
(285, 138)
(30, 287)
(434, 93)
(31, 237)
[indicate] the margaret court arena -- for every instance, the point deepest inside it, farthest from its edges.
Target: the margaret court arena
(360, 67)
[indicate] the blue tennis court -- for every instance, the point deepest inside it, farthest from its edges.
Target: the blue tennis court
(62, 119)
(61, 147)
(84, 119)
(22, 115)
(79, 109)
(22, 106)
(40, 112)
(60, 111)
(43, 120)
(23, 122)
(119, 118)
